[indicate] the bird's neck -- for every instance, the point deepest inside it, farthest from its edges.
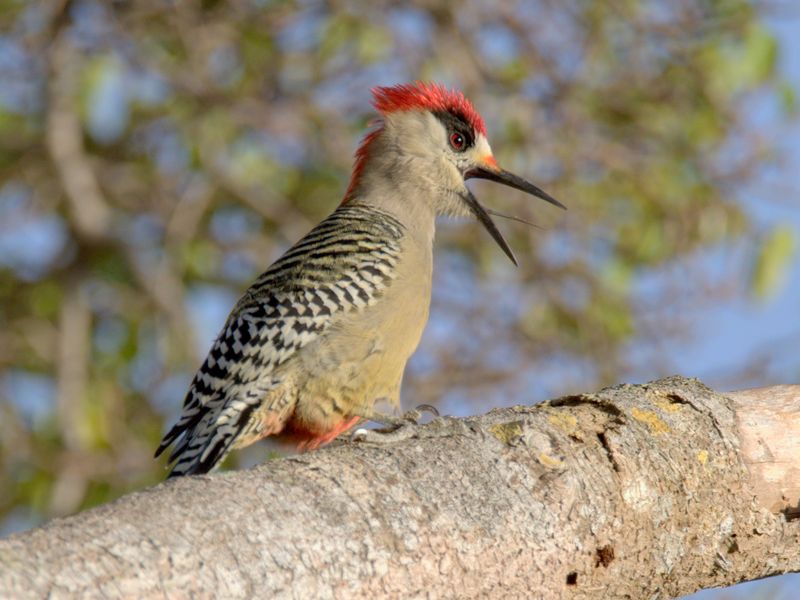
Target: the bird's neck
(387, 183)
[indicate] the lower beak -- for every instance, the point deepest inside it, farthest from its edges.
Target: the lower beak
(511, 180)
(482, 216)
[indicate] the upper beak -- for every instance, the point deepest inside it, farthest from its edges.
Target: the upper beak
(494, 173)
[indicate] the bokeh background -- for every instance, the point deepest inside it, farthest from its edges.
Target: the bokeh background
(156, 156)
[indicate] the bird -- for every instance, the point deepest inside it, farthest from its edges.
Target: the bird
(324, 334)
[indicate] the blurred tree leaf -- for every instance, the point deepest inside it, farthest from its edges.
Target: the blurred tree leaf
(774, 256)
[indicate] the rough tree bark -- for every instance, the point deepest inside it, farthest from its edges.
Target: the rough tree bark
(637, 491)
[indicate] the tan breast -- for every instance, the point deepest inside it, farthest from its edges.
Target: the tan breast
(362, 356)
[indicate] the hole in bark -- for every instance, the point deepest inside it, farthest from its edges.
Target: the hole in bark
(792, 512)
(676, 399)
(601, 436)
(582, 400)
(573, 400)
(605, 556)
(734, 547)
(572, 578)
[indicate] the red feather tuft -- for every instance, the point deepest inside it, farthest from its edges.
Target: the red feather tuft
(427, 96)
(361, 161)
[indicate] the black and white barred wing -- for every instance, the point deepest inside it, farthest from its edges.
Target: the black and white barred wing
(342, 265)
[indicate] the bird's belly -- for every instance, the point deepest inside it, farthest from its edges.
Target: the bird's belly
(359, 361)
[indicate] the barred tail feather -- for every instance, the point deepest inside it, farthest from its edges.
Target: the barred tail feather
(203, 451)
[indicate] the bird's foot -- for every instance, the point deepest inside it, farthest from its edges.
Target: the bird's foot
(379, 436)
(415, 414)
(410, 417)
(396, 428)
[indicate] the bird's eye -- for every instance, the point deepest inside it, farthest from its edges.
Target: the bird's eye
(457, 141)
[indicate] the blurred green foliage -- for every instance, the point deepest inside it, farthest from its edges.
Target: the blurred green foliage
(772, 260)
(155, 157)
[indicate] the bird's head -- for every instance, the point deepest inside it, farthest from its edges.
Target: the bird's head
(432, 138)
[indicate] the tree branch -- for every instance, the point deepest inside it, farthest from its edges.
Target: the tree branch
(648, 491)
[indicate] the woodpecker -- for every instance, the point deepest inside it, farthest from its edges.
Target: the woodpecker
(326, 331)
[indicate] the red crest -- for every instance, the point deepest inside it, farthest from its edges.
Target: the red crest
(427, 96)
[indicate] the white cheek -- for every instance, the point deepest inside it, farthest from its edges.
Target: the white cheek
(476, 154)
(482, 146)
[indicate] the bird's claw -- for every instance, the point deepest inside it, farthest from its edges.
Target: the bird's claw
(378, 436)
(398, 428)
(414, 415)
(359, 435)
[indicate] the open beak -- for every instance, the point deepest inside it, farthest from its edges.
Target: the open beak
(492, 172)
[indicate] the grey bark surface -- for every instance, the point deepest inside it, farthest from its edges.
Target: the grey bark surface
(637, 491)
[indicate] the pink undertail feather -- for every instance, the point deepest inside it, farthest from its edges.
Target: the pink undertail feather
(311, 440)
